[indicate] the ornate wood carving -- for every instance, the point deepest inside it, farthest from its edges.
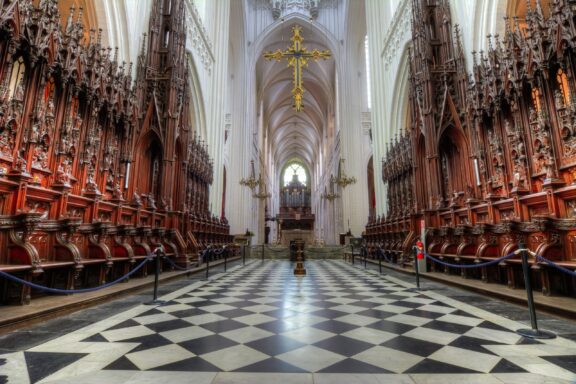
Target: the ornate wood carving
(86, 151)
(495, 149)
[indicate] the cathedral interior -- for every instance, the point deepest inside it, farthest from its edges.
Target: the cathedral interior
(313, 191)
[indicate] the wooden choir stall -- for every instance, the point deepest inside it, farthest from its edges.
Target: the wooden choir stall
(488, 160)
(96, 169)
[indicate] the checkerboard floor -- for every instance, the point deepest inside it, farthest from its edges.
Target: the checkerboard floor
(263, 319)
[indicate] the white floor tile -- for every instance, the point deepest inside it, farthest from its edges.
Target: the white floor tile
(156, 357)
(389, 359)
(311, 358)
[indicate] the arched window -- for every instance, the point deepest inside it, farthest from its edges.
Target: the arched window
(295, 170)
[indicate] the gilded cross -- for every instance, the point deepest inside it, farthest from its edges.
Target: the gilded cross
(297, 57)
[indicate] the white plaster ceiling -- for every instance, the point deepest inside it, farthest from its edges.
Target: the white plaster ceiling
(295, 134)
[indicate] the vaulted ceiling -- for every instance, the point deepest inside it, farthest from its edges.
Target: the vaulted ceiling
(296, 134)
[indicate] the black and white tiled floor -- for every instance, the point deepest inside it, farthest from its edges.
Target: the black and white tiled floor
(259, 323)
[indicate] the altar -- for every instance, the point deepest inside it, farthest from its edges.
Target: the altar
(297, 234)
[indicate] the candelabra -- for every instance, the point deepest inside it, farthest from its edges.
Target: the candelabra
(262, 194)
(251, 182)
(343, 180)
(332, 195)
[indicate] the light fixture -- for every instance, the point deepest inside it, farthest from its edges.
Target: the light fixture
(343, 180)
(251, 182)
(262, 194)
(332, 195)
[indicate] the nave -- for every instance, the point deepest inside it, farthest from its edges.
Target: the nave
(259, 324)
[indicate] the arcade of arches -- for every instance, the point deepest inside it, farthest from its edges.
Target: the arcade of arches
(211, 133)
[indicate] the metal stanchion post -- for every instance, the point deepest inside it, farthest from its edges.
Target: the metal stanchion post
(533, 333)
(207, 255)
(243, 254)
(155, 301)
(417, 270)
(380, 260)
(352, 248)
(262, 251)
(365, 251)
(225, 258)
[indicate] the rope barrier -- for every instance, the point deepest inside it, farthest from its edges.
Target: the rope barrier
(176, 266)
(554, 265)
(479, 265)
(68, 291)
(277, 250)
(386, 258)
(218, 252)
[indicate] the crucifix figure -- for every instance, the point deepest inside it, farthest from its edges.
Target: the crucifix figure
(297, 57)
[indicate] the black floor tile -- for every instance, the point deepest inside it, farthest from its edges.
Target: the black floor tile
(223, 326)
(365, 304)
(277, 326)
(122, 364)
(207, 344)
(148, 342)
(193, 364)
(98, 338)
(357, 296)
(22, 340)
(434, 367)
(505, 366)
(353, 366)
(343, 345)
(280, 313)
(169, 325)
(188, 312)
(491, 325)
(205, 303)
(413, 346)
(391, 326)
(275, 345)
(271, 365)
(376, 313)
(566, 362)
(329, 313)
(125, 324)
(335, 326)
(425, 314)
(445, 326)
(232, 313)
(407, 304)
(43, 364)
(473, 344)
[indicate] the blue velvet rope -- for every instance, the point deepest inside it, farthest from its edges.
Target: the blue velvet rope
(554, 265)
(386, 258)
(479, 265)
(68, 291)
(176, 266)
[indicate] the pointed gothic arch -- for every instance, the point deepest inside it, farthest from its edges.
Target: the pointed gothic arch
(148, 162)
(454, 162)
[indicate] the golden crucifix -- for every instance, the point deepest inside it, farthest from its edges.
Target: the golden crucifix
(297, 57)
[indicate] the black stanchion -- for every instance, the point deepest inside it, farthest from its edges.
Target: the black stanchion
(380, 260)
(225, 258)
(155, 301)
(243, 254)
(207, 255)
(352, 248)
(533, 333)
(417, 270)
(262, 251)
(365, 252)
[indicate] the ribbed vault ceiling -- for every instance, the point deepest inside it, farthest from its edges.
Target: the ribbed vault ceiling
(295, 134)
